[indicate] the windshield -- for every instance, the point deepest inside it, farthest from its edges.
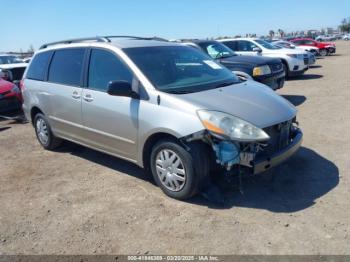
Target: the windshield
(216, 50)
(267, 45)
(9, 60)
(180, 69)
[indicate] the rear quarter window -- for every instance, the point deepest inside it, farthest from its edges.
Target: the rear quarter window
(38, 67)
(66, 66)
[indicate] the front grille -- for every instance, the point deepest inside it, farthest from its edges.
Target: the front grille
(280, 137)
(276, 67)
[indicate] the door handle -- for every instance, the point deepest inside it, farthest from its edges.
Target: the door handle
(88, 98)
(75, 95)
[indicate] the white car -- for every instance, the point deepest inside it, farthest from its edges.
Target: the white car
(346, 37)
(286, 44)
(295, 61)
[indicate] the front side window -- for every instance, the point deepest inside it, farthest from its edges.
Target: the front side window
(266, 45)
(66, 66)
(216, 50)
(38, 67)
(246, 46)
(105, 67)
(180, 69)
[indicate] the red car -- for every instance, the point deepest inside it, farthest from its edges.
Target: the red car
(10, 96)
(326, 48)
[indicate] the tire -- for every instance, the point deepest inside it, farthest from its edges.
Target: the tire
(44, 134)
(191, 166)
(323, 52)
(286, 70)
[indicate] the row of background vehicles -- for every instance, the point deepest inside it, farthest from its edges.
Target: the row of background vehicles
(268, 62)
(146, 85)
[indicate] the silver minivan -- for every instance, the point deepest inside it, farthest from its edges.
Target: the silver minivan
(168, 108)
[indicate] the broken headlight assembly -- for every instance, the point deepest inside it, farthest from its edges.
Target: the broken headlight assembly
(231, 127)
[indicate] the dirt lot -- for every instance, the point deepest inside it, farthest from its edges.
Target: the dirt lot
(79, 201)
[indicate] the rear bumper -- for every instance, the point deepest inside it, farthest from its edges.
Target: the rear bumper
(264, 164)
(275, 81)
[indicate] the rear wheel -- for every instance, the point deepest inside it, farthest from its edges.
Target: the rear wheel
(44, 134)
(178, 172)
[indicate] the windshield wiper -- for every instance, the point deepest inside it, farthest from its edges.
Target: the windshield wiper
(178, 92)
(226, 84)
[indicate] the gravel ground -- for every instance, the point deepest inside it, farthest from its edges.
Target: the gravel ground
(79, 201)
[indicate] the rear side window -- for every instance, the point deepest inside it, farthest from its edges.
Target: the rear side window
(38, 67)
(66, 66)
(232, 45)
(105, 67)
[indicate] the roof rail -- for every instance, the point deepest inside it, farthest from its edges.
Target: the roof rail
(100, 39)
(77, 40)
(136, 37)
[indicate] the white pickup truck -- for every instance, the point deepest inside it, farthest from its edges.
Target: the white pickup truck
(11, 67)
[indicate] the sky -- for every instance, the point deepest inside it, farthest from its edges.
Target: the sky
(36, 22)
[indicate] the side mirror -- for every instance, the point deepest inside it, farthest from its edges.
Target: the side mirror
(257, 49)
(121, 88)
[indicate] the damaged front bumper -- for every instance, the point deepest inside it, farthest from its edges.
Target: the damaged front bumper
(262, 164)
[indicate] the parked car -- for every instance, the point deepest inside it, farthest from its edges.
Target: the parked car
(324, 47)
(288, 45)
(10, 96)
(12, 67)
(324, 38)
(164, 106)
(346, 37)
(295, 62)
(268, 71)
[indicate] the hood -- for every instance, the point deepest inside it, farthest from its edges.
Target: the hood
(250, 101)
(251, 60)
(5, 86)
(284, 51)
(10, 66)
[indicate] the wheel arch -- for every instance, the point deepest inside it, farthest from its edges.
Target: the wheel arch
(33, 112)
(150, 142)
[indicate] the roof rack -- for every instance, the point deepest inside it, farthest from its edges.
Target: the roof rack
(100, 39)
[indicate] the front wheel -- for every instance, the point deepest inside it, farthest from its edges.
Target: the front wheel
(286, 70)
(178, 172)
(44, 134)
(323, 52)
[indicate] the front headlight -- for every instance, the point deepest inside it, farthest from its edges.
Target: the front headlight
(261, 70)
(231, 126)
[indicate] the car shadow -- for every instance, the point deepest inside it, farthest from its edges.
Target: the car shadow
(305, 77)
(106, 160)
(296, 100)
(315, 66)
(4, 128)
(293, 186)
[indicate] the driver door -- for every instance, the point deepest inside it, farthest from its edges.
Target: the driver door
(111, 122)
